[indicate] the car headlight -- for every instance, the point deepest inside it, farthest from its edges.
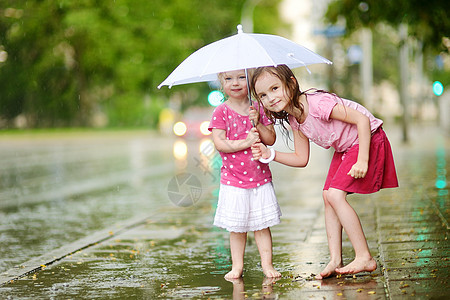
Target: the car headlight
(204, 128)
(179, 128)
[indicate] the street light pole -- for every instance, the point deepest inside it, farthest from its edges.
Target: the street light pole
(366, 68)
(247, 14)
(403, 32)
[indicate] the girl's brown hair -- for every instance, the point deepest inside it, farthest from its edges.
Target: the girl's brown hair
(291, 86)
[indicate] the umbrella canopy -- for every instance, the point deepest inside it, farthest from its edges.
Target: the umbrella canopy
(241, 51)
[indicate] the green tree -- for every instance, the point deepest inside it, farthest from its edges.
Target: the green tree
(428, 21)
(67, 61)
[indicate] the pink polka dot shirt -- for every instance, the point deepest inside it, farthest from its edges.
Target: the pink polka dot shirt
(238, 169)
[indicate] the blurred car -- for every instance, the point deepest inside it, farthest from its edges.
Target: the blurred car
(194, 123)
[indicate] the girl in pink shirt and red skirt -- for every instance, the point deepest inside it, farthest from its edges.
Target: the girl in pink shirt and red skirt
(362, 163)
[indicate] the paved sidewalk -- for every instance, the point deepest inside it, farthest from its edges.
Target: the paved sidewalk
(176, 253)
(413, 220)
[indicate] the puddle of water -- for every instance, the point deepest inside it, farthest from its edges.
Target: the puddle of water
(53, 192)
(181, 255)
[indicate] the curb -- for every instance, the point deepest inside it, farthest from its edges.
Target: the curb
(39, 263)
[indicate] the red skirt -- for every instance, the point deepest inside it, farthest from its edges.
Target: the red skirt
(380, 174)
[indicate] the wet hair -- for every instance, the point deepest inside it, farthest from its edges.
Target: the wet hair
(291, 87)
(221, 78)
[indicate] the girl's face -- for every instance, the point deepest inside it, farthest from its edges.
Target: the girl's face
(234, 84)
(270, 91)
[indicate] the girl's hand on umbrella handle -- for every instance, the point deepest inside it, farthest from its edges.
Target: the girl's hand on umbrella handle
(253, 136)
(253, 116)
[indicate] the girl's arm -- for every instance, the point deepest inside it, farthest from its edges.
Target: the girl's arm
(362, 122)
(299, 158)
(227, 146)
(266, 133)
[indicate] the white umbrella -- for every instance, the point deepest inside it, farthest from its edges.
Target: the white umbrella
(238, 52)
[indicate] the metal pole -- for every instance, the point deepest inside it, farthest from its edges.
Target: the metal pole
(247, 14)
(248, 92)
(367, 68)
(247, 24)
(419, 80)
(403, 32)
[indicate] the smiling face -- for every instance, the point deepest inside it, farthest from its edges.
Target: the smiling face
(234, 84)
(270, 91)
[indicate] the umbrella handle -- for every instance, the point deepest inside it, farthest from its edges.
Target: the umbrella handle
(248, 93)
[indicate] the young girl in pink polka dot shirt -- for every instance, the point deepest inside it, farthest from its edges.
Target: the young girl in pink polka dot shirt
(247, 200)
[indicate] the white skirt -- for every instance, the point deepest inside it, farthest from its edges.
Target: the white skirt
(244, 210)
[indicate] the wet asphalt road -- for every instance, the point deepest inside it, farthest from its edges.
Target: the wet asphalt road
(59, 190)
(55, 188)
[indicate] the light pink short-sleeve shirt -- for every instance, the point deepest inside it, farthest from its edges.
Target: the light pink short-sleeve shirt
(326, 132)
(238, 169)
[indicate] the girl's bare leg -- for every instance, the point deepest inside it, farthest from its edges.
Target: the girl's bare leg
(237, 247)
(350, 221)
(334, 236)
(263, 240)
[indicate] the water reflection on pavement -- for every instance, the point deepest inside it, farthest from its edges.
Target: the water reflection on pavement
(55, 189)
(177, 253)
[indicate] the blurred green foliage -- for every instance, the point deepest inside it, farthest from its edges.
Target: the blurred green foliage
(428, 21)
(428, 24)
(98, 62)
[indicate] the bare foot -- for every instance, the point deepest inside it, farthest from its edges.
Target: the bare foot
(234, 274)
(270, 272)
(329, 270)
(239, 280)
(357, 266)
